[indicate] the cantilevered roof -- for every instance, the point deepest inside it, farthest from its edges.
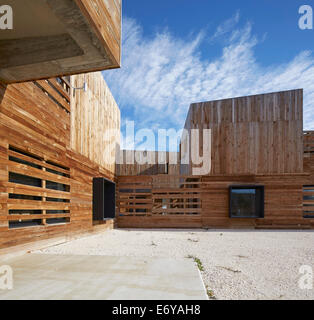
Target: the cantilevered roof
(60, 37)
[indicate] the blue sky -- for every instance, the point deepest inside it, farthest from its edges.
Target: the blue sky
(176, 52)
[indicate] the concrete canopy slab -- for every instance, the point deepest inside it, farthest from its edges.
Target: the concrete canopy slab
(64, 277)
(51, 38)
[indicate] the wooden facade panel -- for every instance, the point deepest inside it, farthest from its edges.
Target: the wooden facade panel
(260, 134)
(35, 132)
(284, 204)
(95, 121)
(133, 163)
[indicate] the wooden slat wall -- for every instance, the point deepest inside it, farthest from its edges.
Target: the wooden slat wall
(309, 143)
(35, 119)
(283, 202)
(260, 134)
(159, 201)
(93, 114)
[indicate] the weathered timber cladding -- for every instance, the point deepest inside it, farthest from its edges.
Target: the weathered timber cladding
(283, 202)
(133, 163)
(260, 134)
(95, 120)
(35, 143)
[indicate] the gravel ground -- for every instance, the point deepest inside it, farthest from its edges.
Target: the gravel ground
(237, 264)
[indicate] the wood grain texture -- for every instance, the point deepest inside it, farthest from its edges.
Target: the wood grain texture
(260, 134)
(95, 121)
(283, 202)
(133, 163)
(35, 120)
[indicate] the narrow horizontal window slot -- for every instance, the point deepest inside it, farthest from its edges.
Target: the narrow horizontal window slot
(57, 165)
(57, 211)
(24, 197)
(24, 224)
(25, 212)
(57, 200)
(58, 173)
(17, 160)
(57, 221)
(25, 180)
(57, 186)
(24, 153)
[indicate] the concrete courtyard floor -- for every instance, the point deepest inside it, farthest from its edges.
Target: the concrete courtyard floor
(236, 264)
(77, 277)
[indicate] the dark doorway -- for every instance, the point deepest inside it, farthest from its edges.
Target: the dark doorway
(104, 199)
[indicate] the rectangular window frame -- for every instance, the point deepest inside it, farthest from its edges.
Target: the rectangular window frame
(262, 209)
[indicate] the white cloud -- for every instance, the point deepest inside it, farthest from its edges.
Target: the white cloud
(161, 76)
(227, 26)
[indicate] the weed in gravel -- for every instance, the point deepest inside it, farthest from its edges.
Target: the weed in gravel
(197, 261)
(210, 293)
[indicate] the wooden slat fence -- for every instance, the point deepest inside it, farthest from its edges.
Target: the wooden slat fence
(159, 195)
(308, 201)
(38, 190)
(309, 142)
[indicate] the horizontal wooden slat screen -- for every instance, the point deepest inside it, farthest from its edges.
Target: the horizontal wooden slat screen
(309, 142)
(163, 201)
(38, 191)
(58, 90)
(158, 195)
(308, 202)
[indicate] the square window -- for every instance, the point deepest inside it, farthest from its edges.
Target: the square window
(247, 202)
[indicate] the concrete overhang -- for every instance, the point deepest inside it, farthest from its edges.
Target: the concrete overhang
(52, 38)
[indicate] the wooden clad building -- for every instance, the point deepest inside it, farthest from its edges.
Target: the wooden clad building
(51, 147)
(261, 173)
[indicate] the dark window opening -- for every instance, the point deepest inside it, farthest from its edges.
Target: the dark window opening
(58, 221)
(14, 159)
(24, 224)
(26, 180)
(24, 153)
(126, 190)
(57, 186)
(24, 197)
(104, 199)
(57, 200)
(247, 202)
(57, 165)
(25, 212)
(58, 173)
(57, 211)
